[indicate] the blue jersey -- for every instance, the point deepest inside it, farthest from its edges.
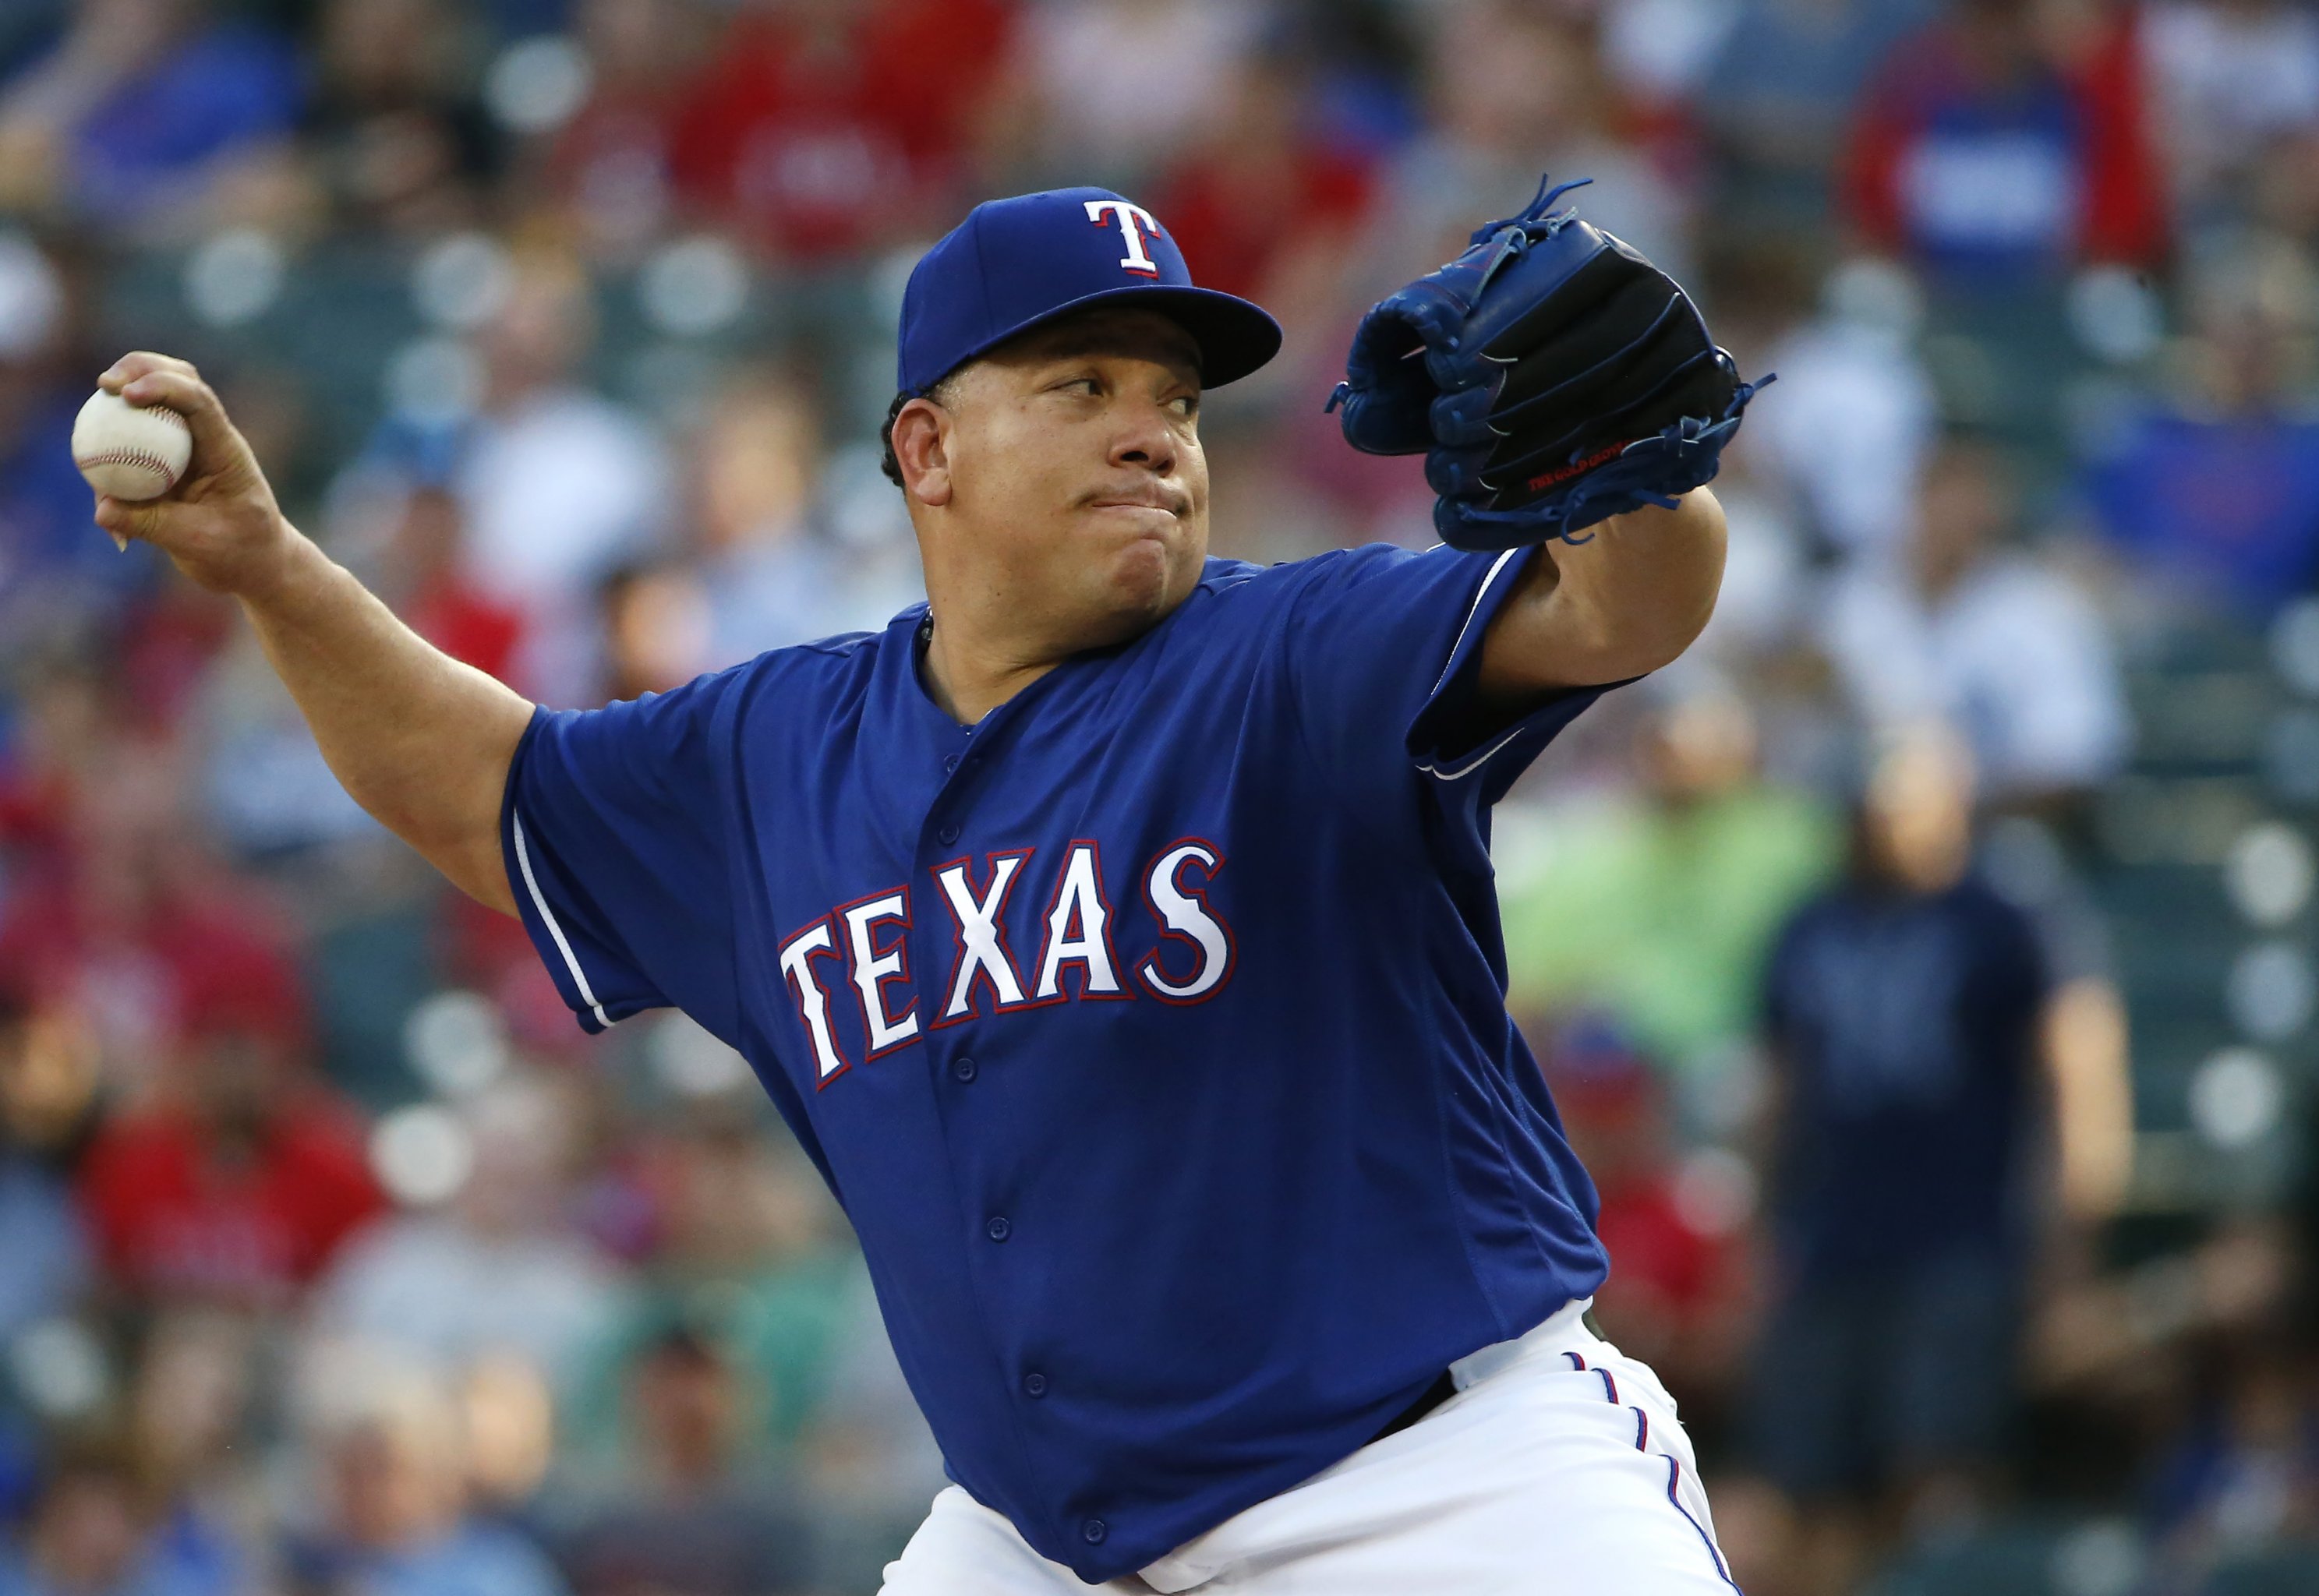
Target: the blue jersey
(1151, 1032)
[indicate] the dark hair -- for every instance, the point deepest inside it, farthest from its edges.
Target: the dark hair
(890, 464)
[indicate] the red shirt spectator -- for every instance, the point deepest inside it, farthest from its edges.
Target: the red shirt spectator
(468, 625)
(104, 924)
(441, 602)
(1259, 190)
(242, 1183)
(1673, 1284)
(611, 160)
(825, 132)
(1980, 155)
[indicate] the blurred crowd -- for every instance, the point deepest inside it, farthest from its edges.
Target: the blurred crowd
(1884, 953)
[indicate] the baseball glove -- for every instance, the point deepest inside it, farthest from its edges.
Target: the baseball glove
(1551, 375)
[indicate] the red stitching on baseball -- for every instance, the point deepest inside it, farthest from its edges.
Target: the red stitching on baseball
(129, 457)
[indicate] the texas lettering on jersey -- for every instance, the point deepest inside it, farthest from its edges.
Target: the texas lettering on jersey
(858, 953)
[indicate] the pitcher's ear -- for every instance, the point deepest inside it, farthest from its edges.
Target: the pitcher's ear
(919, 439)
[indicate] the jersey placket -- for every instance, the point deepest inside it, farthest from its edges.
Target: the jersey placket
(956, 1061)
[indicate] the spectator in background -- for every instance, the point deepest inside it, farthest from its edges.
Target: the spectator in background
(126, 913)
(610, 163)
(1114, 88)
(1515, 91)
(432, 590)
(1259, 193)
(395, 1519)
(92, 1533)
(2211, 492)
(139, 113)
(1659, 911)
(1363, 56)
(2229, 77)
(773, 570)
(1857, 413)
(1980, 158)
(749, 1256)
(244, 1176)
(1675, 1294)
(1986, 638)
(689, 1519)
(399, 145)
(397, 512)
(2245, 1479)
(48, 1099)
(1778, 90)
(558, 484)
(658, 621)
(192, 1394)
(499, 1268)
(55, 723)
(47, 1110)
(829, 128)
(1912, 1016)
(55, 582)
(872, 1460)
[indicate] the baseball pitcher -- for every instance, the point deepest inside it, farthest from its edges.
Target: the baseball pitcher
(1115, 930)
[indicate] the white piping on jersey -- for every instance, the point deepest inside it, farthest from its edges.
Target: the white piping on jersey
(547, 915)
(1475, 764)
(1495, 566)
(1483, 758)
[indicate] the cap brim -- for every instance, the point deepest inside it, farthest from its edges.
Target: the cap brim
(1235, 335)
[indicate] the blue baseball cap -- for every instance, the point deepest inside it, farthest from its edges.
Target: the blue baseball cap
(1013, 263)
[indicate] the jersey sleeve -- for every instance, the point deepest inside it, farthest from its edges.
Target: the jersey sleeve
(614, 827)
(1385, 651)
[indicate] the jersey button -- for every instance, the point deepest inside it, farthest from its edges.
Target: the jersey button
(963, 1069)
(1034, 1384)
(948, 833)
(998, 1229)
(1095, 1530)
(950, 762)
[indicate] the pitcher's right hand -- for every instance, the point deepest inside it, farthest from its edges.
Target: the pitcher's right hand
(219, 525)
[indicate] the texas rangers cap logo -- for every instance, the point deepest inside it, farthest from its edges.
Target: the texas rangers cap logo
(1013, 263)
(1135, 225)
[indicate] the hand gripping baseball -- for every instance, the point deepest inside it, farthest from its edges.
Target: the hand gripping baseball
(220, 524)
(1551, 375)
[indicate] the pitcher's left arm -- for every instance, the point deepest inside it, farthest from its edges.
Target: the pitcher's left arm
(1620, 606)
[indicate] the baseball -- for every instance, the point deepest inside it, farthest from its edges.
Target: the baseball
(130, 451)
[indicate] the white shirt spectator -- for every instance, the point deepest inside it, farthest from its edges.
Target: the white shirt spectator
(2014, 656)
(1126, 81)
(433, 1287)
(1851, 421)
(1660, 50)
(2229, 79)
(557, 491)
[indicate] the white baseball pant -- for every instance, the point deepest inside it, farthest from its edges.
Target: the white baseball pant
(1558, 1469)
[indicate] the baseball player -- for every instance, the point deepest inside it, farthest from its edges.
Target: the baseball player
(1116, 931)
